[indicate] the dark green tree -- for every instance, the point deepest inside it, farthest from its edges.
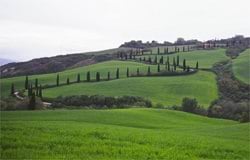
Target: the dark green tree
(12, 90)
(117, 73)
(167, 59)
(161, 60)
(127, 72)
(32, 102)
(178, 50)
(26, 82)
(108, 75)
(144, 59)
(158, 50)
(149, 60)
(155, 60)
(168, 66)
(68, 81)
(57, 80)
(138, 72)
(197, 65)
(78, 78)
(188, 68)
(149, 70)
(97, 76)
(158, 68)
(40, 91)
(37, 91)
(184, 65)
(88, 76)
(36, 83)
(140, 59)
(178, 60)
(183, 49)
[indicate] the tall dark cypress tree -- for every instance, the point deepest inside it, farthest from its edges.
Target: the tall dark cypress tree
(57, 80)
(149, 60)
(158, 68)
(68, 81)
(108, 75)
(26, 82)
(197, 65)
(40, 91)
(144, 59)
(31, 89)
(127, 72)
(32, 103)
(155, 60)
(78, 78)
(178, 60)
(97, 76)
(188, 68)
(161, 60)
(117, 74)
(140, 59)
(37, 91)
(12, 90)
(149, 72)
(184, 65)
(168, 66)
(158, 50)
(36, 83)
(174, 61)
(88, 76)
(138, 72)
(183, 49)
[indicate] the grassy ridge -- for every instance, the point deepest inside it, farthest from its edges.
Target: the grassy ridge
(166, 90)
(206, 58)
(241, 67)
(120, 134)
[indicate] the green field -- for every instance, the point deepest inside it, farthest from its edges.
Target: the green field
(241, 67)
(166, 90)
(206, 58)
(103, 68)
(120, 134)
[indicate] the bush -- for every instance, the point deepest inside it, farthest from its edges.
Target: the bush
(189, 104)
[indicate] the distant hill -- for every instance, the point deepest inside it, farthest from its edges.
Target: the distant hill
(57, 63)
(4, 61)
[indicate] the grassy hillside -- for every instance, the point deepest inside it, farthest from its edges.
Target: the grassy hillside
(120, 134)
(103, 68)
(166, 90)
(241, 67)
(206, 58)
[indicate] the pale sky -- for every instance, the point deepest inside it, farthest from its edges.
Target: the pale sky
(38, 28)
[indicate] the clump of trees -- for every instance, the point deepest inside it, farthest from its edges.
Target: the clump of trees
(97, 101)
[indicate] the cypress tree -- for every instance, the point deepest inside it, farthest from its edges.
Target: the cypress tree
(174, 63)
(167, 59)
(168, 66)
(37, 91)
(197, 65)
(12, 90)
(78, 78)
(188, 68)
(149, 60)
(167, 50)
(178, 50)
(32, 103)
(127, 72)
(117, 73)
(29, 92)
(144, 59)
(68, 81)
(97, 76)
(184, 65)
(36, 83)
(140, 59)
(57, 80)
(158, 50)
(31, 89)
(148, 70)
(40, 91)
(108, 75)
(26, 82)
(161, 60)
(155, 60)
(183, 48)
(158, 68)
(138, 72)
(177, 62)
(88, 76)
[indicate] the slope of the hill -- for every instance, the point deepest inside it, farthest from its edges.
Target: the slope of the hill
(241, 67)
(103, 68)
(120, 134)
(57, 63)
(205, 58)
(165, 90)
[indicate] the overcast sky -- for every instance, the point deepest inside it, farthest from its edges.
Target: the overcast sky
(38, 28)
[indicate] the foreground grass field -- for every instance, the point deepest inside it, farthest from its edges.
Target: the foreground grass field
(120, 134)
(241, 67)
(165, 90)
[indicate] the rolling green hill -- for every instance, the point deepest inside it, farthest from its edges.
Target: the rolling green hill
(241, 67)
(206, 58)
(166, 90)
(120, 134)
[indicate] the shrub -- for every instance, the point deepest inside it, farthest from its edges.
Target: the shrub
(189, 104)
